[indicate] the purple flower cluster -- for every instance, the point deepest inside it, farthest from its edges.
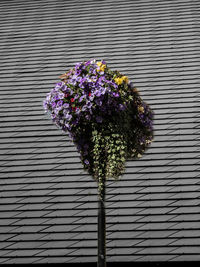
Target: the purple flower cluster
(92, 97)
(87, 92)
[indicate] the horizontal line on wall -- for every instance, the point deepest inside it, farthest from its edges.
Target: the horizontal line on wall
(162, 12)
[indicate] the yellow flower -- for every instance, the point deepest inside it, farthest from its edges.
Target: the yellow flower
(125, 79)
(118, 80)
(121, 80)
(141, 109)
(99, 63)
(101, 66)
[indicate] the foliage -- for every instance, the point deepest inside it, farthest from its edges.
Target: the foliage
(104, 115)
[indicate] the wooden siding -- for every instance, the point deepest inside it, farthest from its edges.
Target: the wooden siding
(48, 204)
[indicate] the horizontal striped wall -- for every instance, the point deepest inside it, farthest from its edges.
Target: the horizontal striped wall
(48, 204)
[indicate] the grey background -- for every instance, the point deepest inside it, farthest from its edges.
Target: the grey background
(48, 203)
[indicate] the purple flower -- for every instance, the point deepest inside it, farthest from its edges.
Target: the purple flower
(99, 119)
(57, 110)
(81, 98)
(94, 71)
(78, 111)
(75, 122)
(98, 93)
(115, 94)
(69, 129)
(68, 116)
(61, 95)
(58, 85)
(86, 162)
(98, 101)
(88, 117)
(91, 97)
(66, 89)
(76, 96)
(65, 105)
(53, 105)
(84, 108)
(89, 105)
(88, 63)
(59, 103)
(122, 107)
(78, 65)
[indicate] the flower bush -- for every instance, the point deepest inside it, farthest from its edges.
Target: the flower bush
(104, 115)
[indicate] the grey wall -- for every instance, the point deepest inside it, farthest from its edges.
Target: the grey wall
(48, 203)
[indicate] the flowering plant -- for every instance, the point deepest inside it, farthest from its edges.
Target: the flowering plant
(104, 115)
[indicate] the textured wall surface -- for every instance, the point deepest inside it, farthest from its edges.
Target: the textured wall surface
(48, 204)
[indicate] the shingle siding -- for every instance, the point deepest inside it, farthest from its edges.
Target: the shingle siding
(48, 204)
